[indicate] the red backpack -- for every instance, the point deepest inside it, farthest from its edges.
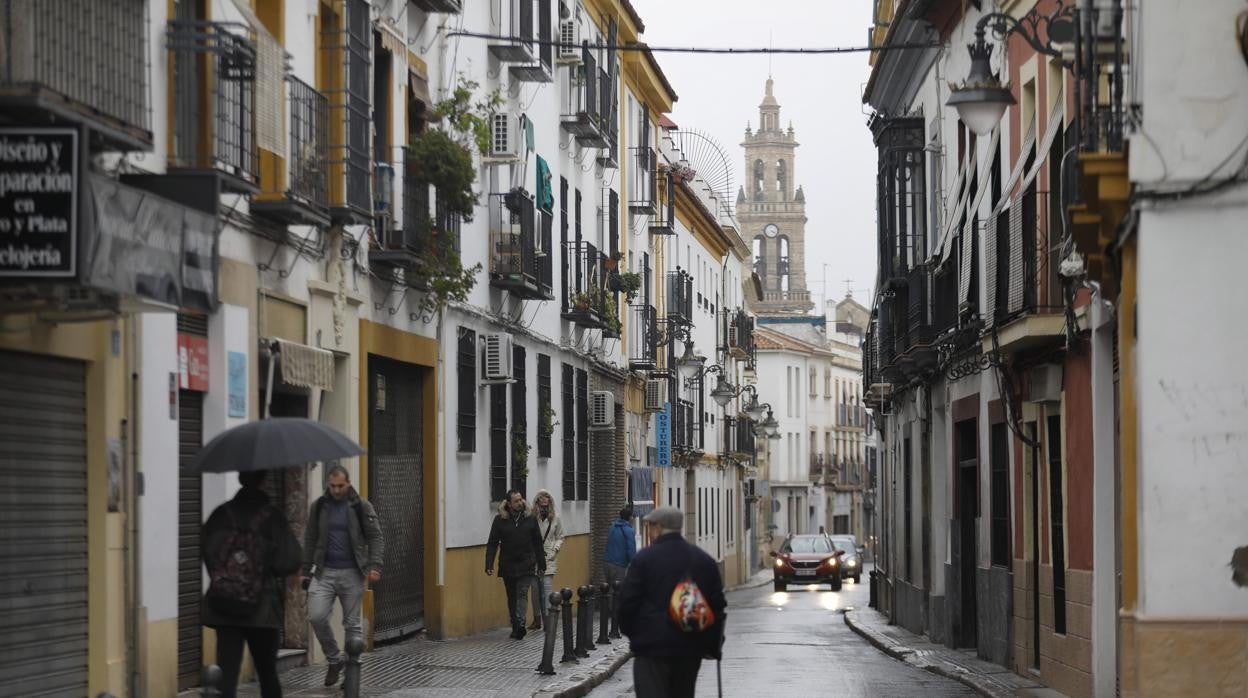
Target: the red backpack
(238, 567)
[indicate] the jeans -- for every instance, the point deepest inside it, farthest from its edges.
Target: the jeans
(517, 594)
(665, 677)
(263, 645)
(347, 586)
(615, 573)
(541, 594)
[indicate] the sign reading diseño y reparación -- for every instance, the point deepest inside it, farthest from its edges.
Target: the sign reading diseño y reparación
(38, 202)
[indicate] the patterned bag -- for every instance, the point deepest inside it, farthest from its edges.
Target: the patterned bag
(688, 608)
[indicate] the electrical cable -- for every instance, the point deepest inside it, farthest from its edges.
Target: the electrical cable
(633, 46)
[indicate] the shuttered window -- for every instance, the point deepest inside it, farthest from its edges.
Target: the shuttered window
(498, 441)
(545, 419)
(466, 368)
(519, 420)
(569, 432)
(582, 435)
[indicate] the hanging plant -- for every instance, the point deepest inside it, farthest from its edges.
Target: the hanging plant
(628, 283)
(546, 423)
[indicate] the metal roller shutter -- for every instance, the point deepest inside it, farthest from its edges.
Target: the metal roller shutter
(190, 514)
(43, 526)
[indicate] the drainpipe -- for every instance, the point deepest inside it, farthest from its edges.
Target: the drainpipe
(130, 506)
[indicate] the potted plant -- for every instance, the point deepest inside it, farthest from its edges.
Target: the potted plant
(581, 301)
(546, 423)
(628, 282)
(610, 262)
(519, 457)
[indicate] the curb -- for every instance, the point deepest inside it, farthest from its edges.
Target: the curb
(598, 672)
(903, 654)
(752, 584)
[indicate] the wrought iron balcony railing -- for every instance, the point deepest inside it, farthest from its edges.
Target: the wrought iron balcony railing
(519, 249)
(535, 54)
(448, 6)
(739, 333)
(1022, 258)
(80, 61)
(663, 222)
(643, 338)
(297, 188)
(584, 296)
(214, 101)
(680, 297)
(429, 229)
(581, 115)
(643, 181)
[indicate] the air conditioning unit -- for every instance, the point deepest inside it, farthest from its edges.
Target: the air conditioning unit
(656, 394)
(732, 336)
(569, 42)
(601, 409)
(497, 357)
(504, 137)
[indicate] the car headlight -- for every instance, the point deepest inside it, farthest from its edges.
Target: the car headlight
(779, 562)
(851, 563)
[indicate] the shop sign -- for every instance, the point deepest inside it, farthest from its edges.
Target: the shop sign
(38, 202)
(192, 362)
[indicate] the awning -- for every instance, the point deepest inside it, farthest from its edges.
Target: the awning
(642, 482)
(970, 206)
(392, 40)
(418, 86)
(303, 366)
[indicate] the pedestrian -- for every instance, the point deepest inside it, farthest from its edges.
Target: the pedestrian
(621, 546)
(248, 549)
(342, 552)
(515, 531)
(551, 529)
(670, 633)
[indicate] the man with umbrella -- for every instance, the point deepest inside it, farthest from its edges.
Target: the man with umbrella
(248, 546)
(342, 551)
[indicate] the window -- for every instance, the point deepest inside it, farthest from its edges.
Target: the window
(499, 443)
(466, 372)
(569, 432)
(545, 416)
(814, 382)
(582, 435)
(1000, 449)
(563, 234)
(827, 383)
(908, 503)
(1057, 512)
(519, 420)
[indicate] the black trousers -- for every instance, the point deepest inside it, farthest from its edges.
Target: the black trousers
(665, 677)
(263, 645)
(517, 598)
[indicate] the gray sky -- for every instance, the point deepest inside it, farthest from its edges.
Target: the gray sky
(821, 95)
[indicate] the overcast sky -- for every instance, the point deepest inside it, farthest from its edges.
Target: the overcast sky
(821, 95)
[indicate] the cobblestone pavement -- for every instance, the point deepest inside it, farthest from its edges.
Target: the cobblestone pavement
(482, 666)
(796, 643)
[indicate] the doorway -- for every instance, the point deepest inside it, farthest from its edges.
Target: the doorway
(968, 515)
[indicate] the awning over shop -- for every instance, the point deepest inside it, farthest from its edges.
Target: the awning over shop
(302, 366)
(642, 481)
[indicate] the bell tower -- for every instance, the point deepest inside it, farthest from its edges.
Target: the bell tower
(772, 211)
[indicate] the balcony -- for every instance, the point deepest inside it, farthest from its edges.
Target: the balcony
(821, 468)
(643, 338)
(519, 247)
(585, 299)
(663, 222)
(428, 230)
(517, 24)
(687, 432)
(345, 57)
(214, 102)
(539, 67)
(582, 114)
(786, 296)
(738, 437)
(448, 6)
(298, 189)
(739, 334)
(679, 297)
(1025, 292)
(643, 181)
(54, 73)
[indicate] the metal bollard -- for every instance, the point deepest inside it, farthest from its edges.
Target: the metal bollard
(604, 613)
(351, 680)
(591, 599)
(569, 650)
(212, 681)
(615, 605)
(582, 598)
(547, 667)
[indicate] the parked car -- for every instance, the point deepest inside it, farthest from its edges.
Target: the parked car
(807, 559)
(851, 561)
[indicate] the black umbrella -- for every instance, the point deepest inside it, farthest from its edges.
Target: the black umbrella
(268, 444)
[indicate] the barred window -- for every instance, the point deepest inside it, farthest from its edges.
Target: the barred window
(519, 420)
(545, 411)
(466, 415)
(498, 442)
(582, 435)
(569, 432)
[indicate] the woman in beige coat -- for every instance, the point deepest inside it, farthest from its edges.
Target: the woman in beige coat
(550, 528)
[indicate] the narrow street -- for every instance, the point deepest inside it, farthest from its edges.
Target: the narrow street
(796, 643)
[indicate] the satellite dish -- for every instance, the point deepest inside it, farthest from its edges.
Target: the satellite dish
(710, 160)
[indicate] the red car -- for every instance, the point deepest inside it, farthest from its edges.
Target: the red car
(807, 559)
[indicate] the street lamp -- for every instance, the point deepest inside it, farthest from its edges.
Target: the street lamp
(981, 101)
(771, 426)
(723, 392)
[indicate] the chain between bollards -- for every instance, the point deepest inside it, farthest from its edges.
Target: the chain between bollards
(569, 650)
(551, 625)
(615, 604)
(604, 613)
(351, 680)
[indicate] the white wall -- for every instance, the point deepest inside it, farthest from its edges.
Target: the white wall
(158, 461)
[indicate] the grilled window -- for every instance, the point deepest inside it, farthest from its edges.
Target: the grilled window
(1057, 513)
(498, 442)
(582, 435)
(569, 432)
(519, 420)
(563, 234)
(545, 418)
(1000, 495)
(466, 416)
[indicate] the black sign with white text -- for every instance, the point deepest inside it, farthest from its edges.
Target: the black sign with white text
(38, 202)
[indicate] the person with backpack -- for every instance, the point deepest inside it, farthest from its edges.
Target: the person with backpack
(551, 530)
(672, 608)
(621, 546)
(248, 549)
(514, 530)
(342, 552)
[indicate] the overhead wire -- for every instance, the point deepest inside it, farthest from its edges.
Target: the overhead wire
(728, 50)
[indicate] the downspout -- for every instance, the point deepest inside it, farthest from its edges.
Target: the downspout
(130, 477)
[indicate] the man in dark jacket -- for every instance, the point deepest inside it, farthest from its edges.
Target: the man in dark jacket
(342, 551)
(247, 522)
(515, 531)
(666, 658)
(621, 546)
